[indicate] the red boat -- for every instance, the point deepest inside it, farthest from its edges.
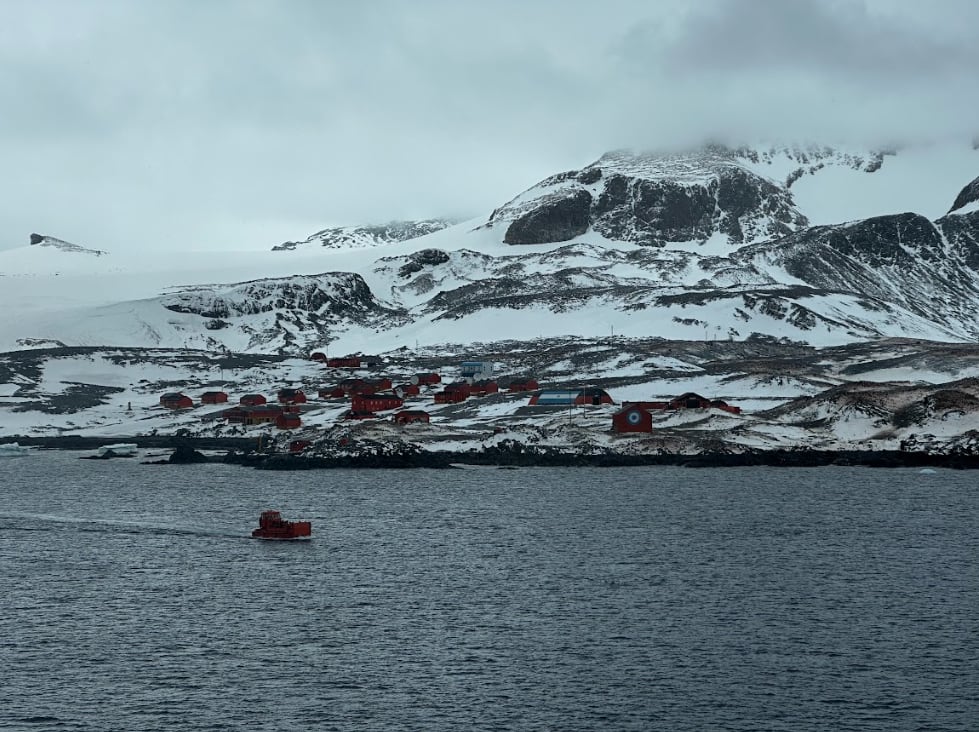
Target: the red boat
(272, 526)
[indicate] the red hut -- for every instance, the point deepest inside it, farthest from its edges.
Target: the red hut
(523, 385)
(426, 379)
(721, 404)
(382, 384)
(632, 419)
(375, 402)
(176, 400)
(288, 421)
(689, 401)
(344, 362)
(214, 397)
(564, 397)
(486, 386)
(298, 446)
(452, 393)
(318, 356)
(407, 416)
(252, 400)
(260, 414)
(291, 396)
(649, 406)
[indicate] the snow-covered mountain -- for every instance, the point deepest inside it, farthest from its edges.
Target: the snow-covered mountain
(360, 237)
(41, 240)
(713, 244)
(833, 294)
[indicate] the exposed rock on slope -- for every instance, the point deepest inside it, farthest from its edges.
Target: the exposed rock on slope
(287, 314)
(356, 237)
(903, 259)
(969, 194)
(652, 200)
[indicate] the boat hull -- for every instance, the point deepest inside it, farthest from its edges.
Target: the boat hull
(272, 527)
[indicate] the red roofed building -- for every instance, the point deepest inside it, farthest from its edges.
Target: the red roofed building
(288, 421)
(486, 386)
(426, 379)
(523, 385)
(632, 418)
(453, 393)
(375, 402)
(214, 397)
(176, 400)
(344, 362)
(252, 400)
(260, 414)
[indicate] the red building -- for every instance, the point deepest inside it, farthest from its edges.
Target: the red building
(426, 379)
(648, 406)
(344, 362)
(260, 414)
(689, 400)
(291, 396)
(566, 397)
(407, 416)
(214, 397)
(318, 356)
(403, 390)
(721, 404)
(288, 421)
(486, 386)
(523, 385)
(371, 386)
(632, 419)
(298, 446)
(452, 393)
(252, 400)
(375, 402)
(176, 400)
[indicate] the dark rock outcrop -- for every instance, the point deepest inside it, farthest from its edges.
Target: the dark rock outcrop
(654, 199)
(424, 258)
(554, 220)
(967, 195)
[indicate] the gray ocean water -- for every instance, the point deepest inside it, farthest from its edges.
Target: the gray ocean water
(532, 599)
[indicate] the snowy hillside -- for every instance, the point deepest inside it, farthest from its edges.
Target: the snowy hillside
(360, 237)
(714, 244)
(862, 396)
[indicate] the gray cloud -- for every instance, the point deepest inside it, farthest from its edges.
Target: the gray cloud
(243, 122)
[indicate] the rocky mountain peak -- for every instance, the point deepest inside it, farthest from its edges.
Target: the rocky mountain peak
(65, 246)
(653, 199)
(968, 195)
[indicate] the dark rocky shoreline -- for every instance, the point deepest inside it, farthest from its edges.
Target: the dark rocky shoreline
(789, 459)
(244, 451)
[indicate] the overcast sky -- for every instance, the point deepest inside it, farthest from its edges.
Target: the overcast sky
(243, 123)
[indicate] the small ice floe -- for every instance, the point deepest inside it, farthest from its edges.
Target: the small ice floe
(119, 449)
(927, 471)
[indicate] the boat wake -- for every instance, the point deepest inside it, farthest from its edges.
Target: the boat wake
(45, 522)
